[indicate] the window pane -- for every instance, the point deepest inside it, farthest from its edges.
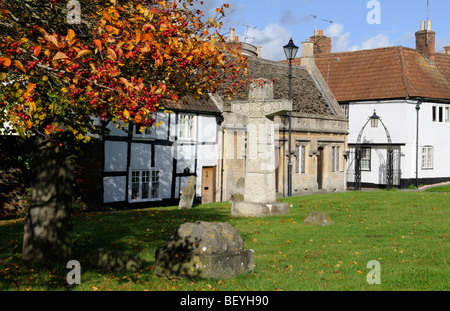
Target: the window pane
(434, 113)
(333, 159)
(303, 159)
(337, 158)
(155, 184)
(365, 159)
(135, 185)
(145, 184)
(441, 114)
(297, 159)
(191, 127)
(182, 126)
(430, 157)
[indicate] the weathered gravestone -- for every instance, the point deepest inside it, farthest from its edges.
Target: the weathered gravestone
(318, 218)
(188, 194)
(205, 250)
(259, 190)
(238, 193)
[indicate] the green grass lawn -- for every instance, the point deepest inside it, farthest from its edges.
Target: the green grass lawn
(439, 189)
(406, 232)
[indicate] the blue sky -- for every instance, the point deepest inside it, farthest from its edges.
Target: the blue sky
(270, 23)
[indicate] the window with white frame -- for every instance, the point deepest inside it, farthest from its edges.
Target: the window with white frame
(186, 126)
(440, 114)
(427, 157)
(365, 159)
(144, 185)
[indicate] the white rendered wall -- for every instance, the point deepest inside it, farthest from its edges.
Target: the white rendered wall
(400, 118)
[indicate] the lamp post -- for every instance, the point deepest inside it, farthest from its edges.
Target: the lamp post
(290, 50)
(417, 141)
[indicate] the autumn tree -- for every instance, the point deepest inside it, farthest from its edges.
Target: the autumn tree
(68, 67)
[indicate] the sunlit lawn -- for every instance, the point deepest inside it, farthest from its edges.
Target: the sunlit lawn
(406, 232)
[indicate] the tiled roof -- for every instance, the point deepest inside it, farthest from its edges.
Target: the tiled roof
(306, 97)
(190, 104)
(385, 73)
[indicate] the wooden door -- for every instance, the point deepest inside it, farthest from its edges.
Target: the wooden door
(320, 168)
(208, 182)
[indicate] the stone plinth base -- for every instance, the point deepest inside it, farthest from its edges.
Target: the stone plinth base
(249, 209)
(217, 266)
(204, 250)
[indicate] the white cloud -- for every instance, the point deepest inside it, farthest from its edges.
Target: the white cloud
(380, 40)
(272, 39)
(340, 40)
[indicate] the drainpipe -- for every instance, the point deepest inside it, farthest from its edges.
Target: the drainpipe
(419, 102)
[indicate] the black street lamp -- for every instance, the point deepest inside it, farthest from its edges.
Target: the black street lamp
(290, 50)
(374, 119)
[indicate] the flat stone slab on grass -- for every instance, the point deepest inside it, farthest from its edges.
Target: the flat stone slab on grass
(249, 209)
(318, 218)
(204, 250)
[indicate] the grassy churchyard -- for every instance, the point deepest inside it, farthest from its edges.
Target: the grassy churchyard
(406, 232)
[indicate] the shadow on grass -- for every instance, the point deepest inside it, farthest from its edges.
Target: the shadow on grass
(135, 232)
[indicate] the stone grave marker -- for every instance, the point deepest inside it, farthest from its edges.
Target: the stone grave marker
(188, 194)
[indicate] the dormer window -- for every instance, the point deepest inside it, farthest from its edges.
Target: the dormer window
(186, 126)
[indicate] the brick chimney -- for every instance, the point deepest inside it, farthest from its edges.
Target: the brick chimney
(322, 43)
(425, 41)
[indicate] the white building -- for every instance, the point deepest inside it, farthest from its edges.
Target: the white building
(410, 91)
(153, 166)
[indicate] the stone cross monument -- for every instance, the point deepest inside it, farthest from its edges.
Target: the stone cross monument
(259, 190)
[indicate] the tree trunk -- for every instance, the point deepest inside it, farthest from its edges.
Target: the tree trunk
(48, 228)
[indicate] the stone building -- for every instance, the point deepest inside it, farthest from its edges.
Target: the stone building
(319, 131)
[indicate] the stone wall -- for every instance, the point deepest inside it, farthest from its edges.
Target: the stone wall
(310, 130)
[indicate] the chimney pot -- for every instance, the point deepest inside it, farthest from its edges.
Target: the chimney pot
(320, 32)
(231, 34)
(429, 26)
(447, 49)
(422, 25)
